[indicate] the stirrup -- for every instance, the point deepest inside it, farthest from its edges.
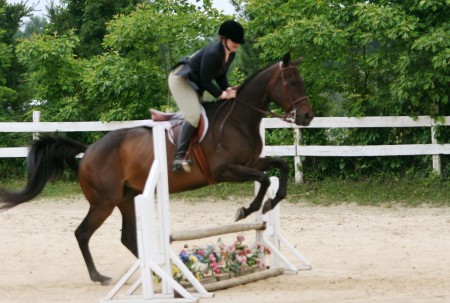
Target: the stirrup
(181, 165)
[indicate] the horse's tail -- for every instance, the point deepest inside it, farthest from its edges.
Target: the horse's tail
(45, 162)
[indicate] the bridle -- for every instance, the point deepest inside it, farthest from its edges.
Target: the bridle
(290, 111)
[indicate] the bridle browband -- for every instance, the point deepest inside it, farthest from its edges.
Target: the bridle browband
(290, 111)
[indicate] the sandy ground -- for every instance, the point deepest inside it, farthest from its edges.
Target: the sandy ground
(359, 254)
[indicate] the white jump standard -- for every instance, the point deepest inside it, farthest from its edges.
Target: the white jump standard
(156, 256)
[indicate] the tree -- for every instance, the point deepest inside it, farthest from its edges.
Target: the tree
(54, 73)
(143, 46)
(88, 19)
(384, 57)
(130, 76)
(10, 70)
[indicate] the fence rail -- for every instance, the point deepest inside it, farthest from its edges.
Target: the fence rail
(295, 150)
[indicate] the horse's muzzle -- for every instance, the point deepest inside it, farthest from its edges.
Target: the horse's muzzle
(304, 119)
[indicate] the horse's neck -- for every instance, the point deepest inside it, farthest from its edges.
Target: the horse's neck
(250, 108)
(253, 100)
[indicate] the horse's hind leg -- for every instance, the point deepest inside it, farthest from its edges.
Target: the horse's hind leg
(95, 217)
(126, 207)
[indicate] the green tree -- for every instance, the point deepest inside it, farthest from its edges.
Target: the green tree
(384, 57)
(130, 76)
(53, 72)
(144, 45)
(6, 93)
(10, 95)
(88, 19)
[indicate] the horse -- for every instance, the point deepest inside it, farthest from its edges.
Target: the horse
(114, 169)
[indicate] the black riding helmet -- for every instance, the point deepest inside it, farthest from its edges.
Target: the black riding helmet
(232, 30)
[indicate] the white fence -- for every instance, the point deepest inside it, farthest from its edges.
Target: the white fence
(295, 150)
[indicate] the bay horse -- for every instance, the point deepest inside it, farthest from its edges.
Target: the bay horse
(114, 169)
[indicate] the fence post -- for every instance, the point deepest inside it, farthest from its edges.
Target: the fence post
(36, 118)
(436, 158)
(298, 165)
(262, 133)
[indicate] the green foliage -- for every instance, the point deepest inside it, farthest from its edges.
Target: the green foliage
(53, 71)
(88, 19)
(117, 87)
(384, 57)
(10, 92)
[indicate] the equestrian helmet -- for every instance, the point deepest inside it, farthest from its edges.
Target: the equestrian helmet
(232, 30)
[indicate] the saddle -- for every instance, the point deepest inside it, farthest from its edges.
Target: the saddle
(175, 120)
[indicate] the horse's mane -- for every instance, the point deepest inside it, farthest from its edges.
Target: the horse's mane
(250, 78)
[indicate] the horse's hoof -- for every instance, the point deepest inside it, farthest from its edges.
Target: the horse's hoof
(106, 281)
(240, 214)
(267, 206)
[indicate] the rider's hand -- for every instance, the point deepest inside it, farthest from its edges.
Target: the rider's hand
(231, 92)
(228, 94)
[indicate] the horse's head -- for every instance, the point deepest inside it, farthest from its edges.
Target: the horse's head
(287, 89)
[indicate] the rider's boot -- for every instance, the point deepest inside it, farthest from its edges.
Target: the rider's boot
(183, 141)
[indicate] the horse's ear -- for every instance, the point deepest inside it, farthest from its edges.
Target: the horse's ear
(297, 61)
(287, 59)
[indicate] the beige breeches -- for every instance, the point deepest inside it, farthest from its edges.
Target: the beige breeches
(185, 97)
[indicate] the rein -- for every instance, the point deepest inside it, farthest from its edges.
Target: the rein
(289, 115)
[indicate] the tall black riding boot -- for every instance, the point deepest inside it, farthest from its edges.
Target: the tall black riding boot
(184, 138)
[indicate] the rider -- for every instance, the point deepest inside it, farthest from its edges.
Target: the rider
(195, 74)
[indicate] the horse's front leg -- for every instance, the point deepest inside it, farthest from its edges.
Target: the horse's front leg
(239, 173)
(266, 164)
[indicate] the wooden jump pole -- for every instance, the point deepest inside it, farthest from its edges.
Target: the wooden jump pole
(244, 279)
(201, 233)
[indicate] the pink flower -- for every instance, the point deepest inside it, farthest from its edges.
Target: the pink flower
(243, 260)
(240, 238)
(212, 258)
(202, 252)
(217, 270)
